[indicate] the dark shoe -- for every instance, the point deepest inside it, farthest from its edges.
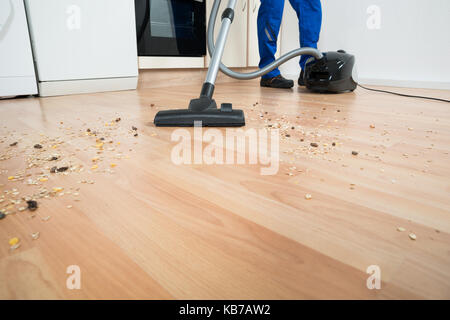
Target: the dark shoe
(277, 82)
(301, 80)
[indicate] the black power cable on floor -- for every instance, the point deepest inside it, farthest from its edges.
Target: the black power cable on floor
(404, 95)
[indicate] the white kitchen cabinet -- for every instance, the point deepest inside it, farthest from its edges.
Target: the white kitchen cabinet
(83, 46)
(253, 52)
(235, 54)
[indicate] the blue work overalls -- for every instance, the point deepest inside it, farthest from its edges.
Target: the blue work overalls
(309, 13)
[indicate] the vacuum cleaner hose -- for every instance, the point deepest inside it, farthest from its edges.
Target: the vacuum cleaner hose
(256, 74)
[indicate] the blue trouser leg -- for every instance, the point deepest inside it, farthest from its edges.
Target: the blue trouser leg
(269, 20)
(309, 13)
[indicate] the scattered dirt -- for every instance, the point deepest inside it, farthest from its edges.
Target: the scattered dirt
(66, 152)
(32, 205)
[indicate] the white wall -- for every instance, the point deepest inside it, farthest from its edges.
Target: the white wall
(405, 43)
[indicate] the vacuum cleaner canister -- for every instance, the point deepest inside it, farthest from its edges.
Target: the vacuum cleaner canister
(334, 73)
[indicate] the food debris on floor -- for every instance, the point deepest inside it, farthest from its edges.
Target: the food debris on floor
(37, 172)
(32, 205)
(14, 247)
(13, 241)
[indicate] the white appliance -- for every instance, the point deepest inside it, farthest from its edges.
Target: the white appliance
(17, 75)
(83, 46)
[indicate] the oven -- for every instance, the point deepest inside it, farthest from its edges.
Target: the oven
(171, 27)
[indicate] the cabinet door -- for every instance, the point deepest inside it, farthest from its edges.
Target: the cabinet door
(83, 39)
(235, 53)
(253, 52)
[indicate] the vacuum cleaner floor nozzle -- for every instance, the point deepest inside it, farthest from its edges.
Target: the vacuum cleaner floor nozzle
(204, 118)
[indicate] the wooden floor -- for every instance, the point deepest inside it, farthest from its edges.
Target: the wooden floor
(139, 226)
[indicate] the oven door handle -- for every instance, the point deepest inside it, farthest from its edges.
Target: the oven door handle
(145, 22)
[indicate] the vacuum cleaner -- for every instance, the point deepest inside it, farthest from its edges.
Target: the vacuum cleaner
(333, 73)
(324, 72)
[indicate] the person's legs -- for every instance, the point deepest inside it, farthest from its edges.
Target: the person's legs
(269, 20)
(309, 13)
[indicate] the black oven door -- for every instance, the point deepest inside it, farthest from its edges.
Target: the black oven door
(171, 27)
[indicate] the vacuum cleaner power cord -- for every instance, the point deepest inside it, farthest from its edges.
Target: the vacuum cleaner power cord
(403, 95)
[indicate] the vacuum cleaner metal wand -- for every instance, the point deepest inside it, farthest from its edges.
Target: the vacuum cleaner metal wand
(227, 19)
(203, 110)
